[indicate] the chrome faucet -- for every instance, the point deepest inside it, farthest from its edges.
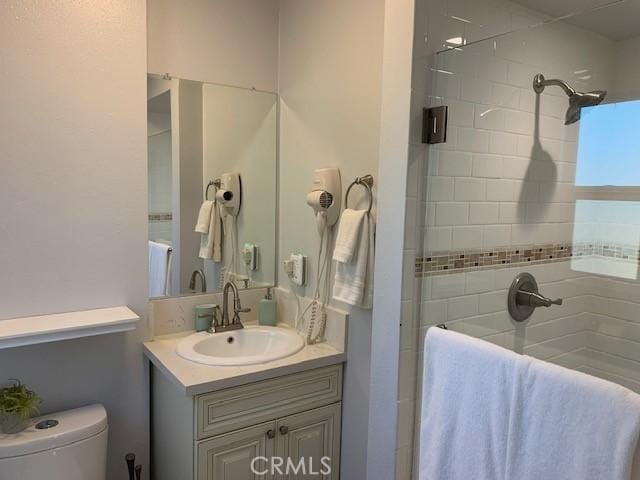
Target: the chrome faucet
(192, 282)
(235, 323)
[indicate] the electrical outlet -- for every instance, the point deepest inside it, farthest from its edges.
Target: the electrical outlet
(288, 268)
(250, 256)
(299, 268)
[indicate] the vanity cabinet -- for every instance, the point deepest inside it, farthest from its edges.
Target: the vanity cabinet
(306, 438)
(216, 436)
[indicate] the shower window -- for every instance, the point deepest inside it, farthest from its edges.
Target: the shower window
(607, 215)
(609, 146)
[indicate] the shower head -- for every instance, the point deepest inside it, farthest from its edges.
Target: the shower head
(577, 100)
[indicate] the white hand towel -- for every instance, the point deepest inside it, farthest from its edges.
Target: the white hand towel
(159, 269)
(211, 242)
(204, 217)
(354, 279)
(348, 235)
(489, 413)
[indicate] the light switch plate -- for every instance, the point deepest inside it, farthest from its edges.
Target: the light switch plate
(434, 124)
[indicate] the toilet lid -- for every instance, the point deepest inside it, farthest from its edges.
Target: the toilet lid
(73, 426)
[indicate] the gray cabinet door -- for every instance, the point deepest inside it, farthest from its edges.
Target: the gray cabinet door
(309, 444)
(230, 456)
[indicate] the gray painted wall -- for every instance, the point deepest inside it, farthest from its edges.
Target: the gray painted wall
(73, 191)
(219, 41)
(330, 78)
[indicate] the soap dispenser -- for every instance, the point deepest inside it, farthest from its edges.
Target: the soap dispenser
(267, 310)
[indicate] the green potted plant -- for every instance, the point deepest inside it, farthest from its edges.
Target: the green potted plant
(17, 405)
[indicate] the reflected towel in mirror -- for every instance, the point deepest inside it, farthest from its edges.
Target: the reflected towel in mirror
(159, 269)
(211, 242)
(204, 217)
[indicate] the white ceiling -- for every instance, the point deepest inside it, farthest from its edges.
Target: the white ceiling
(616, 20)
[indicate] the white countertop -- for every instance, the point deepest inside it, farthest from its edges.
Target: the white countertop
(195, 378)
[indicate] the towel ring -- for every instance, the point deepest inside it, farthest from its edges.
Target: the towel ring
(213, 183)
(367, 182)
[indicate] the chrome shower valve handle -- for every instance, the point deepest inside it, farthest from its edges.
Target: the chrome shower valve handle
(534, 299)
(524, 298)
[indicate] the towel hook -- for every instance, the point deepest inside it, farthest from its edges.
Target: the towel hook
(213, 183)
(367, 182)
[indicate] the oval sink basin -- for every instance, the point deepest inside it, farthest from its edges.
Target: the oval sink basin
(248, 346)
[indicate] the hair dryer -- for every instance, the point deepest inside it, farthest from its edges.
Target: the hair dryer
(320, 201)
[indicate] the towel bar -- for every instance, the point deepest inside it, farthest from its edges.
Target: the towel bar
(213, 183)
(367, 182)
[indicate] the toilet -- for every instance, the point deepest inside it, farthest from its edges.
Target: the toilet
(69, 445)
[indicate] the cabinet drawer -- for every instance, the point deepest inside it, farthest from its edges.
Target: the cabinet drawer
(239, 407)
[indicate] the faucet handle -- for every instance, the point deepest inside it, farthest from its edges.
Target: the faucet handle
(237, 306)
(217, 316)
(236, 315)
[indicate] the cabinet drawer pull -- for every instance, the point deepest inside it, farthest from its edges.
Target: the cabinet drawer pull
(271, 433)
(284, 430)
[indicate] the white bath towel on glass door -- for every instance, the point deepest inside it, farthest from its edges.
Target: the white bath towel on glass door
(491, 414)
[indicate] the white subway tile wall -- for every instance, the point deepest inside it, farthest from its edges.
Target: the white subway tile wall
(159, 172)
(160, 230)
(511, 152)
(596, 330)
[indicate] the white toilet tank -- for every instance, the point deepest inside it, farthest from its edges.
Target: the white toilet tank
(74, 448)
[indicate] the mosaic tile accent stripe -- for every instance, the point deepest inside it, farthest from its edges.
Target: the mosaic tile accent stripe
(160, 217)
(438, 263)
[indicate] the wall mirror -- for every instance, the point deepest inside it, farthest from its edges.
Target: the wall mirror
(212, 167)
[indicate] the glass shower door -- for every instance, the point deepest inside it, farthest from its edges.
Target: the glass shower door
(515, 189)
(543, 183)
